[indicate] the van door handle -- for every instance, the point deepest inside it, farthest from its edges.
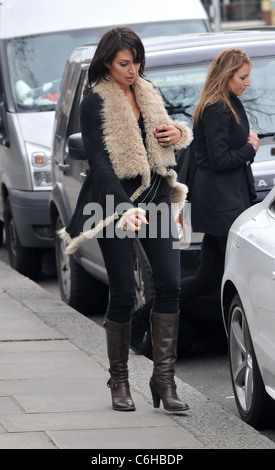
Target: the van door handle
(83, 176)
(63, 166)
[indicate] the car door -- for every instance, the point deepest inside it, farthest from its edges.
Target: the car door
(73, 177)
(262, 289)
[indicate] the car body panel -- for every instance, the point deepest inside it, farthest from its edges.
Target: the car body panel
(250, 268)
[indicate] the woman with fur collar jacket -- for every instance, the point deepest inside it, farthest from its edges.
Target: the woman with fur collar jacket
(129, 141)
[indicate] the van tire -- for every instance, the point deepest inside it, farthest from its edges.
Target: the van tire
(77, 287)
(25, 260)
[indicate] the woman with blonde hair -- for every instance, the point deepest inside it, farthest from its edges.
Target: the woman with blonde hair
(223, 184)
(224, 148)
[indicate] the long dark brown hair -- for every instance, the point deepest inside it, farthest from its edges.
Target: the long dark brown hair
(215, 89)
(110, 44)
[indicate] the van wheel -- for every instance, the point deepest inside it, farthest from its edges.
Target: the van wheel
(1, 232)
(27, 261)
(78, 288)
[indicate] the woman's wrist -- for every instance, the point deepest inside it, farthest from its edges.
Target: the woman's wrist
(186, 135)
(126, 214)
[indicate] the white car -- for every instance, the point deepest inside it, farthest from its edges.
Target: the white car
(248, 304)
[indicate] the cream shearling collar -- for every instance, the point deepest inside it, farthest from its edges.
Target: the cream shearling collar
(122, 134)
(124, 143)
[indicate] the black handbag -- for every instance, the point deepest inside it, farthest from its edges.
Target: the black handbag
(186, 167)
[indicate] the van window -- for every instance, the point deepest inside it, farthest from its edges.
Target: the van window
(36, 63)
(169, 28)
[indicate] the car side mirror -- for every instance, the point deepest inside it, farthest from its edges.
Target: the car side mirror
(76, 147)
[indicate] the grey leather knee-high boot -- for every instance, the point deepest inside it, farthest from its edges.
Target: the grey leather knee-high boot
(118, 340)
(164, 328)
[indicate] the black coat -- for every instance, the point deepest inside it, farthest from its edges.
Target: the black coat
(223, 184)
(120, 165)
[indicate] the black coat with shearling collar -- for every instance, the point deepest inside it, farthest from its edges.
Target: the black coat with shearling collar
(115, 151)
(223, 184)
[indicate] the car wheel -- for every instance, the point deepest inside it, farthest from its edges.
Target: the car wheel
(255, 406)
(27, 261)
(77, 287)
(1, 232)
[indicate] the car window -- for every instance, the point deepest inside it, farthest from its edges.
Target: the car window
(74, 121)
(180, 88)
(259, 98)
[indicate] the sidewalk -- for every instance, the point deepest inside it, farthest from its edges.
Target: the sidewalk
(53, 394)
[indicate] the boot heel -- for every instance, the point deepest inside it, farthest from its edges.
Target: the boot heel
(156, 401)
(155, 397)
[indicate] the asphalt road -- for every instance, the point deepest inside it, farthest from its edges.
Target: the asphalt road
(205, 369)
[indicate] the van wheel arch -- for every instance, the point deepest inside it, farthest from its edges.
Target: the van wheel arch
(25, 260)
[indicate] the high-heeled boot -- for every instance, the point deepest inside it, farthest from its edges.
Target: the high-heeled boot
(118, 340)
(164, 328)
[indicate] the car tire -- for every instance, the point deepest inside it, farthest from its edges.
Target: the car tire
(77, 287)
(25, 260)
(255, 406)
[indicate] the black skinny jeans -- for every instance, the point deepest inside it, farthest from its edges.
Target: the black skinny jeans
(210, 271)
(162, 254)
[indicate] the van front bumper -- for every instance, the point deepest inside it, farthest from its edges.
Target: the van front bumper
(30, 210)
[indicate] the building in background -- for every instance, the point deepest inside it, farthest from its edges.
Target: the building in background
(236, 13)
(268, 7)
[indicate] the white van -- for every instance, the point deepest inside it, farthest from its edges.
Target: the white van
(36, 38)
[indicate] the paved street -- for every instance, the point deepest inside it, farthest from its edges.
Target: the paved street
(53, 392)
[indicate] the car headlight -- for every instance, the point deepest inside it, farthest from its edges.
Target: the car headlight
(40, 166)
